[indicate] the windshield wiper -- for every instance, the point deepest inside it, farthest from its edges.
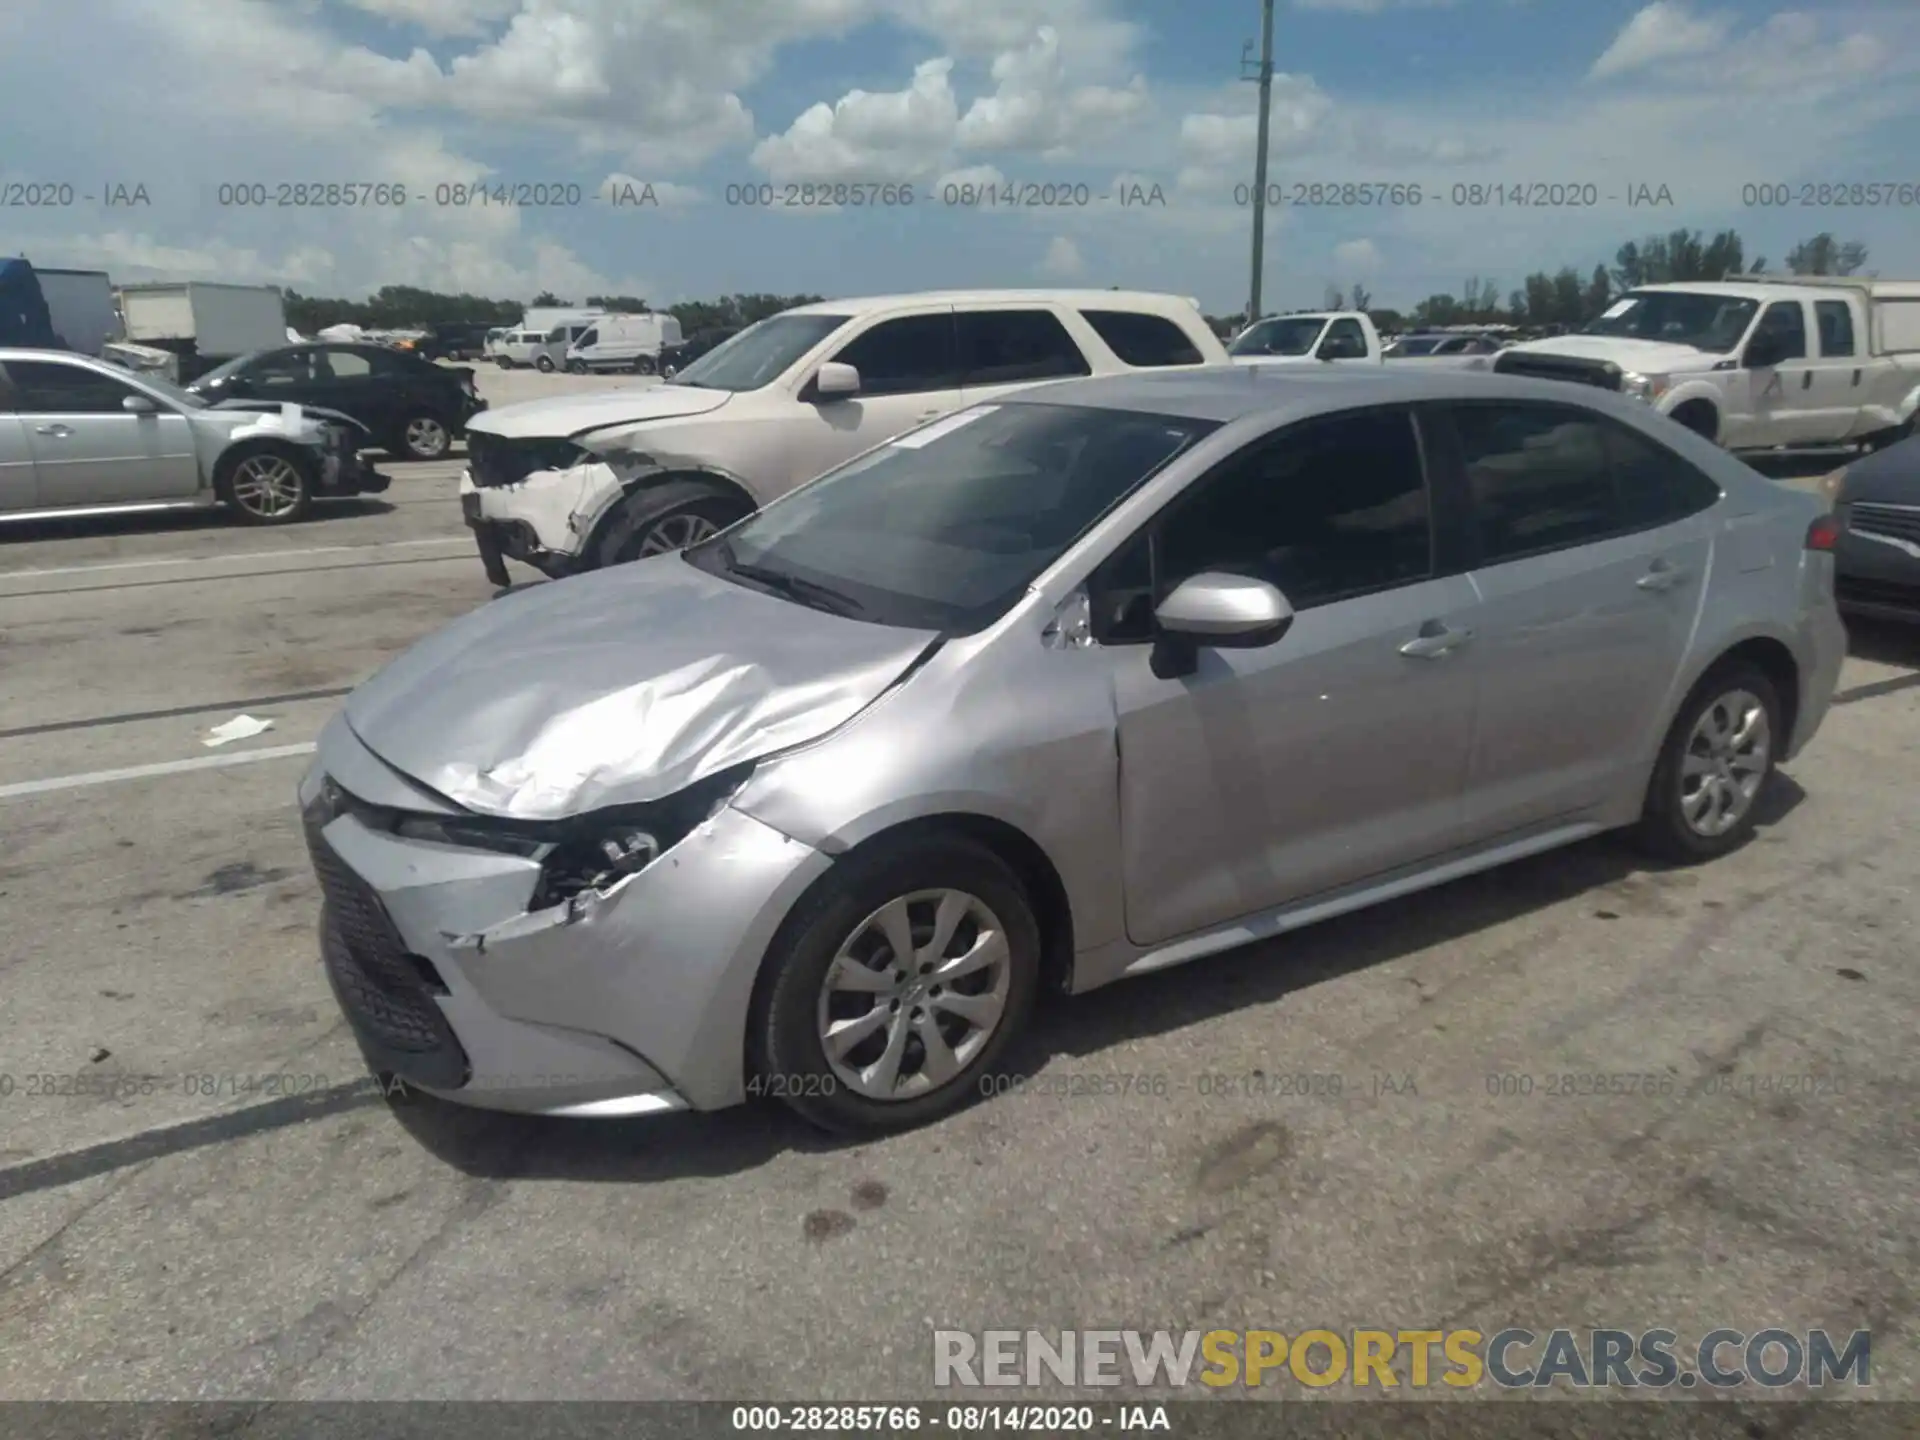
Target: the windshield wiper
(804, 592)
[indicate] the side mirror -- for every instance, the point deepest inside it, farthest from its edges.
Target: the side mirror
(835, 379)
(1220, 611)
(138, 405)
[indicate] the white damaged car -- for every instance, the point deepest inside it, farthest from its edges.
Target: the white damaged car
(582, 481)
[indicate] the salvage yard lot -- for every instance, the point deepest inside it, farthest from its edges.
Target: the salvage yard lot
(239, 1244)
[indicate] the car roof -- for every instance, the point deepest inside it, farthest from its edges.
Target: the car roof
(1156, 302)
(1226, 393)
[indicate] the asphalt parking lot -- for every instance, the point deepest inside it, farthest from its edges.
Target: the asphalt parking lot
(324, 1243)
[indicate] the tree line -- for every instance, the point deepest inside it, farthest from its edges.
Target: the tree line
(1572, 298)
(401, 307)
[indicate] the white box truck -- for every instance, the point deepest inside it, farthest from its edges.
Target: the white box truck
(624, 342)
(80, 304)
(204, 324)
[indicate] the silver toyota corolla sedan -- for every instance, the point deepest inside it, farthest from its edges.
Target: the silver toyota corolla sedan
(1087, 682)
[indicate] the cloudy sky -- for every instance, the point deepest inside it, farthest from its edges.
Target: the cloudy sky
(705, 101)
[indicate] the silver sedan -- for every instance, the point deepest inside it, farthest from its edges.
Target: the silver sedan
(1099, 679)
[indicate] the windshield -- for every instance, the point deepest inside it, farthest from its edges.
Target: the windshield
(1286, 335)
(759, 354)
(946, 526)
(163, 386)
(1679, 317)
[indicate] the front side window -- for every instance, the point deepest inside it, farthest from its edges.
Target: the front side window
(759, 354)
(904, 357)
(1010, 347)
(288, 367)
(1783, 329)
(592, 337)
(945, 527)
(47, 387)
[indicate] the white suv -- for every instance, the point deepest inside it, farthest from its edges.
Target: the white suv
(582, 481)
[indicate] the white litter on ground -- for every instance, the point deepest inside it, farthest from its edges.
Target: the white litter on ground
(241, 727)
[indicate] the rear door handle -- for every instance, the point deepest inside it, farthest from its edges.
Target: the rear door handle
(1806, 379)
(1661, 576)
(1434, 640)
(58, 431)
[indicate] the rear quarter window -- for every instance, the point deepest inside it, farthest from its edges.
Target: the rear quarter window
(1143, 340)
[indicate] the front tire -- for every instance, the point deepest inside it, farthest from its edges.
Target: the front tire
(661, 519)
(895, 987)
(576, 367)
(544, 364)
(643, 365)
(1713, 768)
(267, 486)
(503, 362)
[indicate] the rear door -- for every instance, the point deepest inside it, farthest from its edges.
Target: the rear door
(1591, 547)
(88, 449)
(16, 458)
(907, 377)
(1004, 348)
(1840, 386)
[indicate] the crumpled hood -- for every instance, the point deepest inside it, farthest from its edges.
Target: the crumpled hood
(274, 407)
(616, 687)
(569, 415)
(1646, 357)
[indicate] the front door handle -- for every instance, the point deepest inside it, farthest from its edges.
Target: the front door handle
(59, 432)
(1661, 576)
(1434, 640)
(1806, 379)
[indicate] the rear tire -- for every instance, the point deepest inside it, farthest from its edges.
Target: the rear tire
(1699, 417)
(659, 519)
(643, 365)
(503, 362)
(423, 436)
(266, 485)
(544, 364)
(1714, 767)
(839, 932)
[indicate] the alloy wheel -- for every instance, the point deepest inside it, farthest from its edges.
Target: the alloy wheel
(267, 486)
(427, 438)
(1725, 762)
(914, 994)
(676, 532)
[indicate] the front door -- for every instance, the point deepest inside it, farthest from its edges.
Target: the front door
(1781, 406)
(907, 377)
(88, 449)
(1593, 558)
(1332, 755)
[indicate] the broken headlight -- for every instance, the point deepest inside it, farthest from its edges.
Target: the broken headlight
(472, 834)
(598, 850)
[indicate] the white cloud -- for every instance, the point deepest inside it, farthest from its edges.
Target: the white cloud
(1063, 260)
(1034, 107)
(447, 18)
(1664, 30)
(624, 191)
(866, 136)
(1372, 7)
(980, 177)
(1357, 257)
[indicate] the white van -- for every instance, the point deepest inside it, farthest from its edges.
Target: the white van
(624, 342)
(544, 350)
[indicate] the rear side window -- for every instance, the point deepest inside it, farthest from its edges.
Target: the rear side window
(1006, 347)
(1836, 326)
(1546, 478)
(1143, 340)
(1345, 341)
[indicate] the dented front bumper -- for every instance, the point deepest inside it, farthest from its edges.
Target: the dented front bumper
(633, 1002)
(543, 521)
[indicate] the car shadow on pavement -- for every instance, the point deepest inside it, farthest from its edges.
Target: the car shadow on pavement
(1884, 642)
(672, 1147)
(180, 522)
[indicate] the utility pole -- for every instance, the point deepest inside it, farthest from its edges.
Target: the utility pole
(1263, 73)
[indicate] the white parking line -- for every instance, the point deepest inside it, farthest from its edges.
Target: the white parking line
(225, 559)
(141, 772)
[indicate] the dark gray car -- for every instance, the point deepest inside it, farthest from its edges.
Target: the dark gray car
(1877, 559)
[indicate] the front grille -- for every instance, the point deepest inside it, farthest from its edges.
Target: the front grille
(496, 460)
(1601, 374)
(384, 990)
(1899, 522)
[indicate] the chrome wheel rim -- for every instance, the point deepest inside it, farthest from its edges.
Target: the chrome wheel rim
(1725, 762)
(676, 532)
(426, 436)
(267, 486)
(914, 994)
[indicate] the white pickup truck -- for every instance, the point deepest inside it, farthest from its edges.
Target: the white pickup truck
(1760, 364)
(1343, 337)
